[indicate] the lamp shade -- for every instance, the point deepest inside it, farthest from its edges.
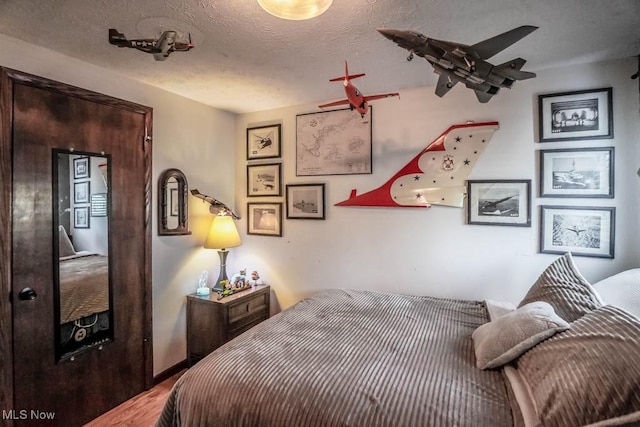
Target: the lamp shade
(222, 234)
(295, 10)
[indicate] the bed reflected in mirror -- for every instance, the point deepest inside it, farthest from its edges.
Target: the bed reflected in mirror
(82, 299)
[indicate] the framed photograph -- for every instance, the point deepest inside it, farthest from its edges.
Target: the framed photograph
(81, 217)
(305, 201)
(583, 231)
(499, 202)
(336, 142)
(265, 219)
(99, 204)
(264, 180)
(81, 192)
(264, 142)
(81, 168)
(580, 172)
(585, 114)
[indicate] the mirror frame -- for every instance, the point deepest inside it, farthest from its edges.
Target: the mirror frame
(163, 203)
(60, 354)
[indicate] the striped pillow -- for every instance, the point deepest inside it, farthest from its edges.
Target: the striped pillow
(562, 286)
(589, 373)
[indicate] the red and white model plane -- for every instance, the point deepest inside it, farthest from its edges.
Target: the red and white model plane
(355, 99)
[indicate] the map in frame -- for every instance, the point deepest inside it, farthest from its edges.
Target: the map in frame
(336, 142)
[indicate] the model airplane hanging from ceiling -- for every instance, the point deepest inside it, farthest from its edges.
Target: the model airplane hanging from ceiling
(355, 99)
(436, 175)
(160, 48)
(456, 62)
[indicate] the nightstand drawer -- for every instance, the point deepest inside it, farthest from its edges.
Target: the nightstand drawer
(248, 310)
(212, 321)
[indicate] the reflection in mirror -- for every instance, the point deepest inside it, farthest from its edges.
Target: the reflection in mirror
(81, 216)
(172, 203)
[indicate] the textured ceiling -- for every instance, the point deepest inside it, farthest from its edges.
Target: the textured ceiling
(247, 60)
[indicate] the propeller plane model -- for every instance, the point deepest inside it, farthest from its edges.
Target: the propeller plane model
(160, 48)
(355, 99)
(459, 63)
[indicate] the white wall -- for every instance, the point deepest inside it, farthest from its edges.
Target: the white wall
(197, 139)
(432, 251)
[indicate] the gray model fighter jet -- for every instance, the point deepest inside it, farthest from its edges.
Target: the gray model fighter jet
(456, 62)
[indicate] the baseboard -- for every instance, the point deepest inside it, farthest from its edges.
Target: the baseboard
(168, 373)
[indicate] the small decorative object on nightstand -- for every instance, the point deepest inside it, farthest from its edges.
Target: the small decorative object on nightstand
(212, 322)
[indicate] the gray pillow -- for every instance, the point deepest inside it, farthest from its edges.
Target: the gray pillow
(504, 339)
(588, 374)
(562, 286)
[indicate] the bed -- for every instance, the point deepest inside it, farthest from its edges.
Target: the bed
(341, 357)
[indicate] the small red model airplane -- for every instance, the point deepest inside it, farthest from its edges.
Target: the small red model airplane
(355, 99)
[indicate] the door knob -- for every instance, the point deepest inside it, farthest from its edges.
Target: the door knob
(27, 294)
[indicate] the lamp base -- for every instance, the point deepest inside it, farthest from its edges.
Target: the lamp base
(219, 287)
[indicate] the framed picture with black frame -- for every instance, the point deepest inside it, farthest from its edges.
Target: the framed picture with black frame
(264, 219)
(264, 180)
(81, 217)
(264, 142)
(305, 201)
(81, 168)
(583, 231)
(81, 192)
(577, 172)
(499, 202)
(579, 115)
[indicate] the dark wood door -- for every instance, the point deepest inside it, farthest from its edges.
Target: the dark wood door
(47, 116)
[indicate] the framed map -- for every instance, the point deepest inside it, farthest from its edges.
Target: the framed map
(336, 142)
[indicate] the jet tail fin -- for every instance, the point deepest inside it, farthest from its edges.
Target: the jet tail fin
(512, 68)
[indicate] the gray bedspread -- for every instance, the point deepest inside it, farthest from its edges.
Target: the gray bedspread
(348, 358)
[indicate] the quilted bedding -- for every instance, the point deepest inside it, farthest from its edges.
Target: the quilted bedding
(349, 358)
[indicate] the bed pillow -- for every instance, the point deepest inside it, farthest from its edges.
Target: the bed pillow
(507, 337)
(589, 373)
(622, 290)
(562, 286)
(65, 247)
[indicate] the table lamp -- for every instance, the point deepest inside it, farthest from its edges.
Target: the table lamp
(223, 234)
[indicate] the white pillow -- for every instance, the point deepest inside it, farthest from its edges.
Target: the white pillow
(65, 247)
(507, 337)
(622, 290)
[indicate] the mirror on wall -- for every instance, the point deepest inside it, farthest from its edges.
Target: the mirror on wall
(173, 215)
(83, 309)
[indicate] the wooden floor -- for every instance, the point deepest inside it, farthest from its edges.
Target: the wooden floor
(140, 411)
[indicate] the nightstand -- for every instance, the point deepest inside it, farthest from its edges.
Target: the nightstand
(212, 322)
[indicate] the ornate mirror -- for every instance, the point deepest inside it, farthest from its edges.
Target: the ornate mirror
(82, 291)
(173, 215)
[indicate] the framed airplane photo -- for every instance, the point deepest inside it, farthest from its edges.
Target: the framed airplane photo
(585, 114)
(583, 231)
(579, 172)
(264, 142)
(499, 202)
